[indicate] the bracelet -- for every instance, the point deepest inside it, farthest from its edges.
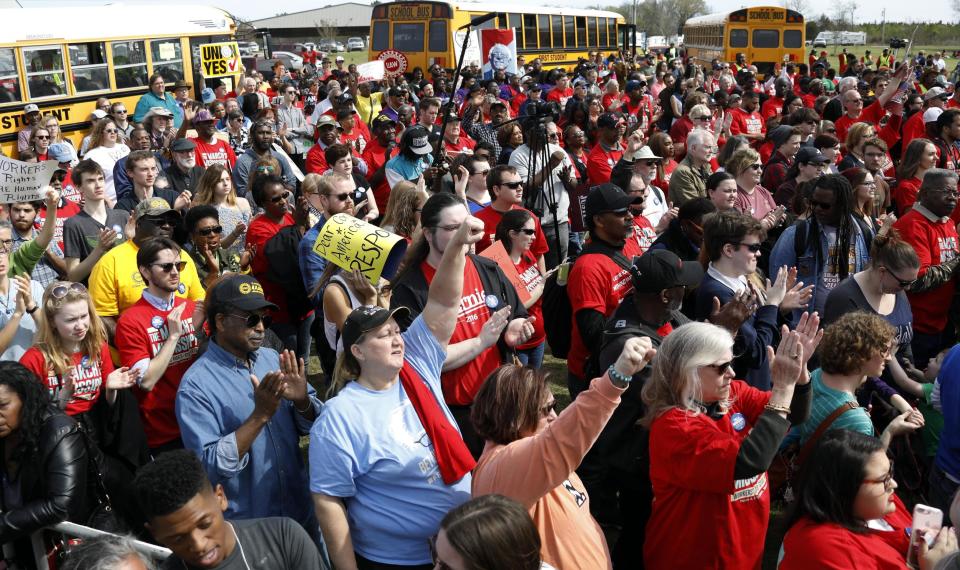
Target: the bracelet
(617, 376)
(305, 409)
(775, 408)
(33, 310)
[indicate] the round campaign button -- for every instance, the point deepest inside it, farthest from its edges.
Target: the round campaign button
(738, 421)
(492, 301)
(182, 288)
(156, 322)
(394, 62)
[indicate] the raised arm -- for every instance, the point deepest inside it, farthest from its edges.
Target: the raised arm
(50, 222)
(443, 299)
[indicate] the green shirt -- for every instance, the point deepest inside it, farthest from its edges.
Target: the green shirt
(227, 261)
(933, 422)
(24, 259)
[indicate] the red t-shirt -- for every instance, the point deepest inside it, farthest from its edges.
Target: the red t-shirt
(463, 145)
(914, 128)
(746, 123)
(66, 210)
(596, 282)
(141, 332)
(829, 546)
(771, 107)
(460, 385)
(935, 243)
(643, 234)
(358, 139)
(679, 131)
(70, 191)
(610, 101)
(88, 377)
(871, 114)
(491, 218)
(905, 194)
(531, 277)
(316, 161)
(600, 163)
(560, 96)
(219, 152)
(259, 233)
(375, 155)
(702, 517)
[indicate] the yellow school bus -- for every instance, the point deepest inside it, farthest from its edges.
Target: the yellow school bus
(65, 58)
(765, 34)
(424, 33)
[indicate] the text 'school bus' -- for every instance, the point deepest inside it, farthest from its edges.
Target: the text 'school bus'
(767, 35)
(64, 59)
(407, 35)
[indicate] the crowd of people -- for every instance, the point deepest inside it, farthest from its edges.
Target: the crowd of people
(743, 273)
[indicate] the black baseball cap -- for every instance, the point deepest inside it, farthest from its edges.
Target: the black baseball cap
(810, 155)
(660, 269)
(364, 319)
(608, 121)
(381, 121)
(241, 291)
(608, 197)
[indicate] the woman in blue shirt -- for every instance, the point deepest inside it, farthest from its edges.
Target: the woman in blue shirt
(157, 97)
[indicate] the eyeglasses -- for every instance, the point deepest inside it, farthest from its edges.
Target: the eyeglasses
(253, 319)
(264, 169)
(341, 197)
(553, 136)
(886, 480)
(903, 283)
(952, 192)
(527, 231)
(210, 231)
(6, 245)
(512, 185)
(753, 247)
(280, 198)
(822, 205)
(482, 172)
(168, 267)
(450, 228)
(721, 368)
(551, 407)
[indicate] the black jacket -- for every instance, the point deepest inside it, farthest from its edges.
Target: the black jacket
(180, 181)
(54, 483)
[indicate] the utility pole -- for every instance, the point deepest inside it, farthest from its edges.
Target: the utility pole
(883, 26)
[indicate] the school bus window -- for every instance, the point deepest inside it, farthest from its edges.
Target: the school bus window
(766, 38)
(792, 39)
(381, 36)
(167, 59)
(88, 65)
(9, 80)
(581, 31)
(530, 31)
(738, 38)
(568, 31)
(515, 21)
(438, 35)
(544, 23)
(129, 64)
(45, 76)
(604, 41)
(488, 25)
(408, 37)
(557, 26)
(592, 31)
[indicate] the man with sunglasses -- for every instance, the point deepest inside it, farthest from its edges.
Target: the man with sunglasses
(379, 151)
(608, 150)
(115, 281)
(157, 337)
(242, 409)
(506, 188)
(331, 203)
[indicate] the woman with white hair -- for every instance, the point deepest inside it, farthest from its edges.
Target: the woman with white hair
(712, 439)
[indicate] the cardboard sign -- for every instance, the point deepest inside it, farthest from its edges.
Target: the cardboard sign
(472, 54)
(24, 181)
(351, 243)
(499, 254)
(220, 60)
(371, 71)
(499, 51)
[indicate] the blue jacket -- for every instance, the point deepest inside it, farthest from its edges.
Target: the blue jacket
(755, 334)
(149, 100)
(811, 265)
(948, 454)
(311, 264)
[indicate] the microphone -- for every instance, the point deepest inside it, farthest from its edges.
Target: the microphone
(479, 20)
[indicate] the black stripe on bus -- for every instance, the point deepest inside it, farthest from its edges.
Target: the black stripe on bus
(78, 126)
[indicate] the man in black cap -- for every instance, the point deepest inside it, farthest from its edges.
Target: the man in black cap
(395, 98)
(615, 471)
(414, 158)
(242, 409)
(608, 150)
(183, 174)
(600, 278)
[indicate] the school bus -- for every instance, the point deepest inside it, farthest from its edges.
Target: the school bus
(767, 35)
(424, 33)
(64, 58)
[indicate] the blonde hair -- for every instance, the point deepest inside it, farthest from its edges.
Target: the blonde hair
(401, 207)
(48, 340)
(345, 370)
(741, 160)
(856, 134)
(675, 379)
(206, 186)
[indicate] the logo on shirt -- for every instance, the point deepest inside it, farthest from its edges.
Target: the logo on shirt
(491, 301)
(579, 496)
(156, 322)
(749, 489)
(470, 304)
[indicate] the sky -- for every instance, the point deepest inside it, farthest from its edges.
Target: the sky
(896, 10)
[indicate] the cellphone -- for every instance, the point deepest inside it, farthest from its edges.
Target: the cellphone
(930, 519)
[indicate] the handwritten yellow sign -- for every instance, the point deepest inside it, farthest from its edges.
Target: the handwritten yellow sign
(354, 244)
(220, 60)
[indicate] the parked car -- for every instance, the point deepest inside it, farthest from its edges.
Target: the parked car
(341, 47)
(355, 44)
(328, 46)
(248, 49)
(291, 60)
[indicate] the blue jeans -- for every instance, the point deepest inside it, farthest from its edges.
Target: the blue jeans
(532, 357)
(941, 491)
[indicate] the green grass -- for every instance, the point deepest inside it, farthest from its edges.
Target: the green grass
(876, 50)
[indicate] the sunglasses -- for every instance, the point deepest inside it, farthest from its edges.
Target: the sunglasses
(60, 291)
(756, 166)
(482, 172)
(46, 137)
(253, 319)
(721, 368)
(210, 231)
(159, 222)
(904, 283)
(551, 407)
(340, 197)
(702, 118)
(752, 247)
(168, 267)
(529, 232)
(280, 198)
(110, 131)
(822, 205)
(512, 185)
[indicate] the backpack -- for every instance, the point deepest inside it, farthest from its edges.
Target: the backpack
(803, 234)
(556, 308)
(284, 270)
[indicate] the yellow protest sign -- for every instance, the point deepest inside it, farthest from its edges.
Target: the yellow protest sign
(354, 244)
(220, 60)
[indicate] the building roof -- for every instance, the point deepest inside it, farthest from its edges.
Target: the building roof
(346, 15)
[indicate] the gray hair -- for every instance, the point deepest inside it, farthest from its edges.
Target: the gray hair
(701, 136)
(675, 380)
(847, 84)
(107, 552)
(938, 178)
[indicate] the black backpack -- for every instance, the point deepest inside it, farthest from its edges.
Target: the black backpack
(284, 270)
(802, 235)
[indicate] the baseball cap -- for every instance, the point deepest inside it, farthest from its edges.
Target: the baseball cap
(608, 197)
(345, 112)
(395, 92)
(381, 121)
(31, 108)
(61, 152)
(936, 92)
(417, 139)
(101, 114)
(607, 121)
(932, 114)
(344, 99)
(241, 291)
(339, 58)
(327, 120)
(183, 145)
(632, 85)
(155, 206)
(660, 269)
(364, 319)
(203, 116)
(498, 103)
(811, 155)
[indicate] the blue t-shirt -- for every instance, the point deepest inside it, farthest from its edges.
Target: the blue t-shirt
(369, 448)
(948, 454)
(825, 401)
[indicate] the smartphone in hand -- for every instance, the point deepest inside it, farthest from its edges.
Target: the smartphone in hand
(927, 522)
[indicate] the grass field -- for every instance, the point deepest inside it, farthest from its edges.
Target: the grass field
(876, 50)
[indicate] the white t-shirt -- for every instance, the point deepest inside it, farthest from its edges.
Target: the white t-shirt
(520, 159)
(107, 158)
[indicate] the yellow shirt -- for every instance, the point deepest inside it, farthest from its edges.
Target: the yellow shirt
(369, 107)
(116, 283)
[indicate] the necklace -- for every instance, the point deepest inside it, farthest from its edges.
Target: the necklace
(239, 546)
